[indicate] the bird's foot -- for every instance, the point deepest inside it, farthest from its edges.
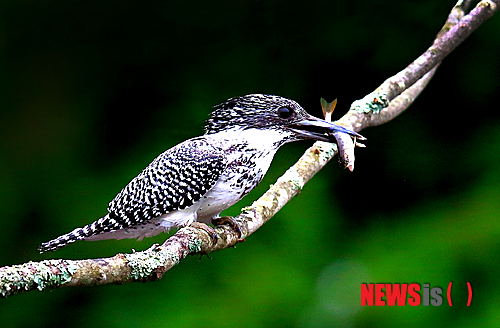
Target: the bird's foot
(230, 221)
(208, 229)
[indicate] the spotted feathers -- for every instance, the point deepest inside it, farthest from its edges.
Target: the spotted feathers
(174, 181)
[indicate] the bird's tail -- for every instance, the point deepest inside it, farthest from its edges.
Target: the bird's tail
(71, 237)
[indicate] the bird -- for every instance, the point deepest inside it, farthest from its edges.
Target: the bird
(197, 179)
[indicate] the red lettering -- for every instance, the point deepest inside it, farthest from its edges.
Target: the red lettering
(413, 296)
(379, 294)
(396, 293)
(366, 294)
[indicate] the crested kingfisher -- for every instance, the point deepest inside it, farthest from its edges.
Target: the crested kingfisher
(199, 178)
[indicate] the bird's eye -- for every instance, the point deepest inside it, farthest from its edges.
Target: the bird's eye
(285, 112)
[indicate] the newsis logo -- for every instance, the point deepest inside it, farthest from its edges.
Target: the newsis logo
(403, 294)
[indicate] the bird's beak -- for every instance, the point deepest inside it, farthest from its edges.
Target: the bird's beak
(318, 129)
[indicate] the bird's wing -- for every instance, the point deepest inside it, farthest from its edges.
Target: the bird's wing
(175, 180)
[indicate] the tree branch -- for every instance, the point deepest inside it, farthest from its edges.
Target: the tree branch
(378, 107)
(382, 105)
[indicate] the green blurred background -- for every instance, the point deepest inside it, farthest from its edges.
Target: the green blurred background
(91, 91)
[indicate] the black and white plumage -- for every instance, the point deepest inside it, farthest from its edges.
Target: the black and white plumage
(200, 177)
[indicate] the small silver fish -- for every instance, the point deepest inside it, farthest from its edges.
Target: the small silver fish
(345, 143)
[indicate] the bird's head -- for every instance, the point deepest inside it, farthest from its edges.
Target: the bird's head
(267, 112)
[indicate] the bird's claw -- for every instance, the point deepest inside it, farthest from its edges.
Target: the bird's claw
(208, 229)
(230, 221)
